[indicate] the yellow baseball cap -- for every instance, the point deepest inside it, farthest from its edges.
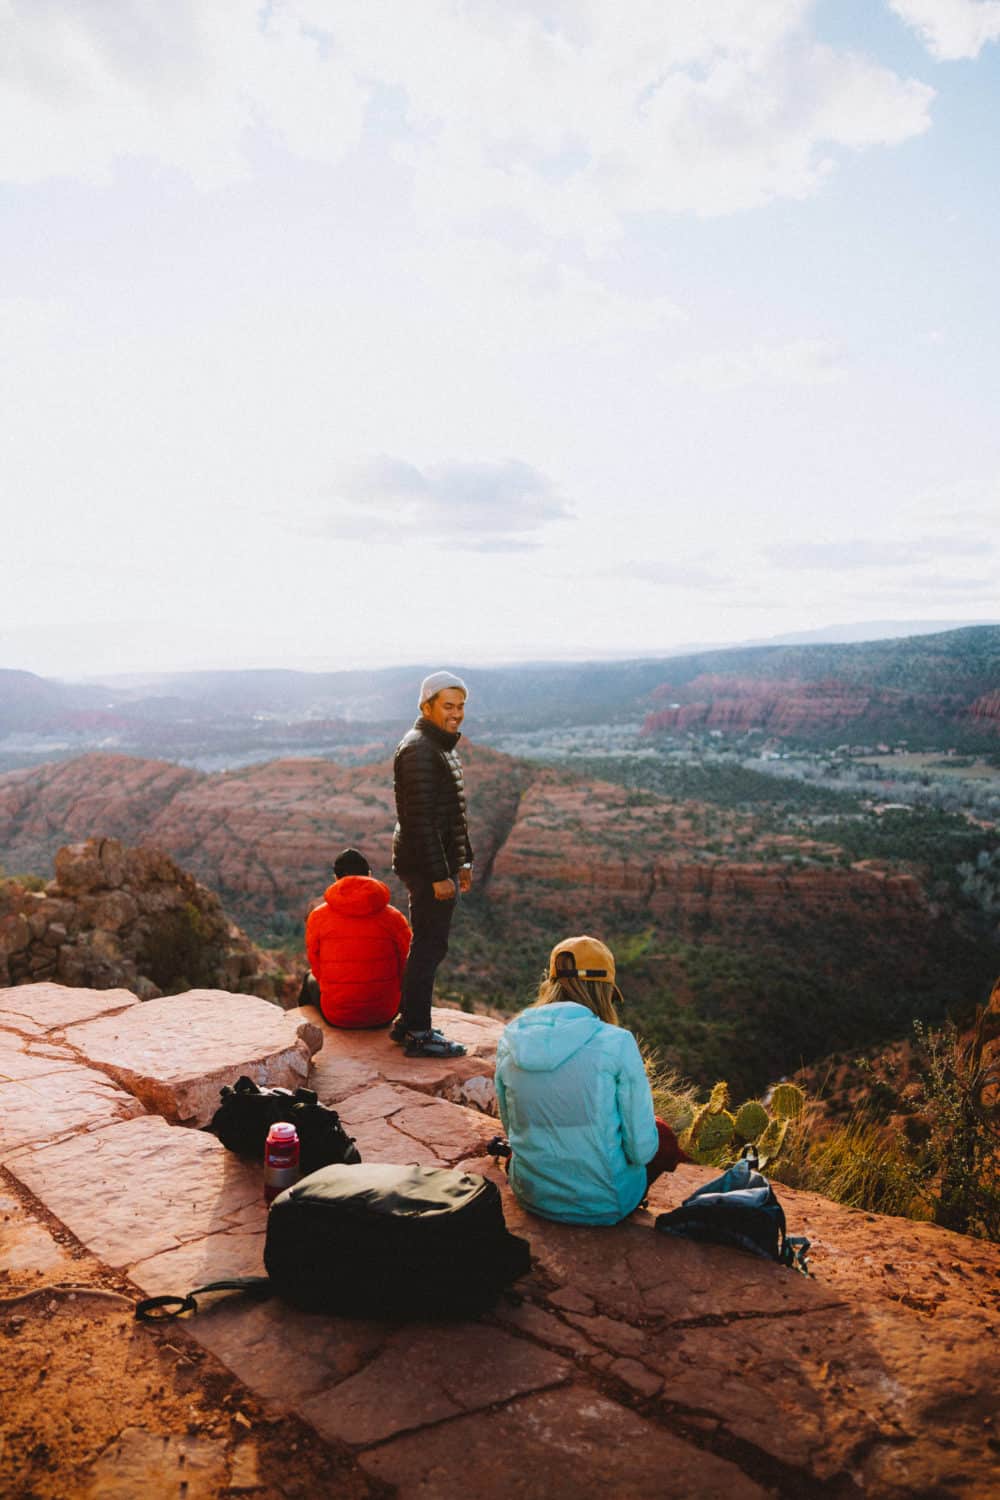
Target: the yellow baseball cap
(582, 958)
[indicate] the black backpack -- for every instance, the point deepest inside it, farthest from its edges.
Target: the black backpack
(247, 1113)
(381, 1241)
(739, 1209)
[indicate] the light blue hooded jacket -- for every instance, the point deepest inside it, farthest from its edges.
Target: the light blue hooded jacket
(576, 1105)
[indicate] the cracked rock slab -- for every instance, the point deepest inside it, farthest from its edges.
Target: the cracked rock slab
(235, 1251)
(45, 1098)
(564, 1444)
(426, 1373)
(281, 1352)
(392, 1123)
(58, 1104)
(379, 1140)
(350, 1059)
(37, 1009)
(872, 1377)
(133, 1190)
(177, 1052)
(26, 1246)
(19, 1062)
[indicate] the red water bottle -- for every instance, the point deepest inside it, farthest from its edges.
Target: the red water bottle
(281, 1159)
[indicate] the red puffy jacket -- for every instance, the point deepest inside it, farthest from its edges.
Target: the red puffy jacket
(357, 946)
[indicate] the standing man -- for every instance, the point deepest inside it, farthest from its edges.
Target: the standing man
(431, 852)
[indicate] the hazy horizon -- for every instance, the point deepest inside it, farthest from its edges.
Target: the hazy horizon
(345, 333)
(853, 633)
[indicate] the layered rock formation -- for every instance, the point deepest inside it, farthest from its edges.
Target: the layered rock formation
(115, 796)
(787, 708)
(117, 916)
(578, 847)
(265, 837)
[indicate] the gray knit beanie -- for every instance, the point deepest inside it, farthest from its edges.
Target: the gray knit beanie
(436, 682)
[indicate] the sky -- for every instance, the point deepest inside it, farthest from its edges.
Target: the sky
(338, 333)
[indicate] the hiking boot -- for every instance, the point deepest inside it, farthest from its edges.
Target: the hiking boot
(431, 1043)
(398, 1031)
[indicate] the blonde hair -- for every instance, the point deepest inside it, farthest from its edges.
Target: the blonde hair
(596, 994)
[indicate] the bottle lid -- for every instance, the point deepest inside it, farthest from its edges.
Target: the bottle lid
(282, 1131)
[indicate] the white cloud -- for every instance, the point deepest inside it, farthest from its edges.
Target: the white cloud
(669, 108)
(529, 302)
(569, 118)
(481, 507)
(951, 29)
(84, 85)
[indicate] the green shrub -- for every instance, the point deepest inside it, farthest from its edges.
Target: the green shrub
(674, 1099)
(178, 954)
(960, 1088)
(858, 1165)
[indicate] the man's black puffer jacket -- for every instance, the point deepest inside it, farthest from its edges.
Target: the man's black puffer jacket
(431, 839)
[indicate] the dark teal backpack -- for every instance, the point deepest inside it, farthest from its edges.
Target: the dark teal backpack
(739, 1209)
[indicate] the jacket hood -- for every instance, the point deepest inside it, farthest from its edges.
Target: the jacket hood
(357, 895)
(543, 1038)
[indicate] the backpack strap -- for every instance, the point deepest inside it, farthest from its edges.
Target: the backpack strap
(155, 1309)
(795, 1253)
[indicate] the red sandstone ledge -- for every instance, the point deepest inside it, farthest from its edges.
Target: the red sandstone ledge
(634, 1365)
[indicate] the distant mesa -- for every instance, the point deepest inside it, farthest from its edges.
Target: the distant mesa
(948, 678)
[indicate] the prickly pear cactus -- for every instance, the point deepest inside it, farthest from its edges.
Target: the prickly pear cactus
(699, 1118)
(714, 1136)
(787, 1101)
(719, 1098)
(751, 1120)
(771, 1141)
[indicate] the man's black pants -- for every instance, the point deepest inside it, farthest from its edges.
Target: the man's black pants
(431, 923)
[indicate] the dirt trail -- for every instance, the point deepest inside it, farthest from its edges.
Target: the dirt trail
(93, 1403)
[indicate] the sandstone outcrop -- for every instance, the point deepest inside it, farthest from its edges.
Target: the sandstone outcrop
(632, 1364)
(788, 706)
(117, 916)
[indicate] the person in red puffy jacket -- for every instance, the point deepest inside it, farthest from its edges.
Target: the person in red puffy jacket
(357, 945)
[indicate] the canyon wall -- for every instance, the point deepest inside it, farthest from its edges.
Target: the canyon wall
(785, 708)
(265, 837)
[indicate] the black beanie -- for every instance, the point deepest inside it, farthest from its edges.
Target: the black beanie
(351, 862)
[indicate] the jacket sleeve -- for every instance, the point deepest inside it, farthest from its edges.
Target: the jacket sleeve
(415, 789)
(499, 1084)
(635, 1105)
(312, 940)
(399, 931)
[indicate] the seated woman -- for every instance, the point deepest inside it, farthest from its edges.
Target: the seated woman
(357, 944)
(574, 1098)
